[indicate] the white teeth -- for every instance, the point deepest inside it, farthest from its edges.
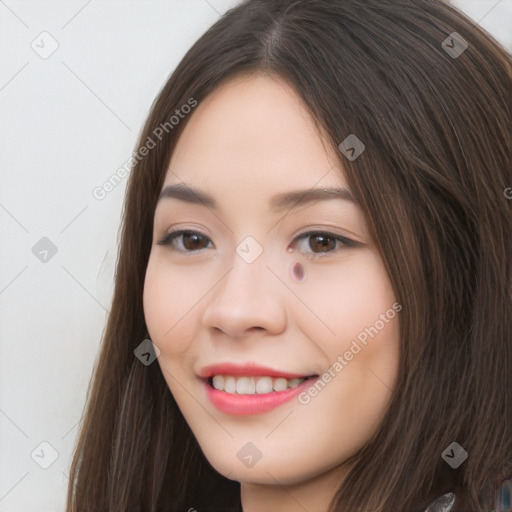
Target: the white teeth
(253, 385)
(245, 386)
(293, 383)
(218, 382)
(230, 384)
(264, 385)
(279, 384)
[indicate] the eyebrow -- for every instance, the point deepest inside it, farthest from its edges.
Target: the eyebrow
(277, 203)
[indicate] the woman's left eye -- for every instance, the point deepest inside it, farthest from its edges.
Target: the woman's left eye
(323, 242)
(320, 242)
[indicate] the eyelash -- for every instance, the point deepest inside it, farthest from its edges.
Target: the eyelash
(347, 242)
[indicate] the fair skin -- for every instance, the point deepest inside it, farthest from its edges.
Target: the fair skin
(250, 140)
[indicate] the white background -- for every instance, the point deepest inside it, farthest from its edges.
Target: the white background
(68, 122)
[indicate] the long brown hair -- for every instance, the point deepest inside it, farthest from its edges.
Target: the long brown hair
(432, 182)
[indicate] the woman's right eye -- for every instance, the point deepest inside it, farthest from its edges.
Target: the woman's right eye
(191, 241)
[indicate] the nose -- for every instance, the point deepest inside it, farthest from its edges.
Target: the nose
(248, 298)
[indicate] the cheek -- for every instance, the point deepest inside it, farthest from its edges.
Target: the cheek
(356, 302)
(351, 295)
(170, 301)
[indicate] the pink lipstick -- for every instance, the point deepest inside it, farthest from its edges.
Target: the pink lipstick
(244, 390)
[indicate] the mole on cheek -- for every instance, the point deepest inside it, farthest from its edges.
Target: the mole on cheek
(298, 272)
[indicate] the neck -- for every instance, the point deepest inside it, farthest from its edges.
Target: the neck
(313, 495)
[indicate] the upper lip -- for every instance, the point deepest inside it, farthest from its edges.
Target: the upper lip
(249, 369)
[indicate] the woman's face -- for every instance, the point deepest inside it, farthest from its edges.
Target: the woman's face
(222, 301)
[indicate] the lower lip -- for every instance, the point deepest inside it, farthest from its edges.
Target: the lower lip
(247, 405)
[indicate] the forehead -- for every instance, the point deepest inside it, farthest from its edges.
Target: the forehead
(253, 130)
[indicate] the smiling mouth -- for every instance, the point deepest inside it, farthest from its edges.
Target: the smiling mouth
(243, 395)
(254, 385)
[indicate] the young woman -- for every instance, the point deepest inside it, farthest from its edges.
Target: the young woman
(313, 296)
